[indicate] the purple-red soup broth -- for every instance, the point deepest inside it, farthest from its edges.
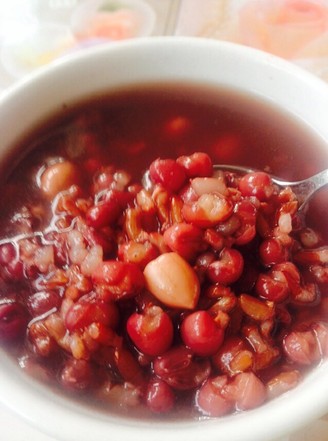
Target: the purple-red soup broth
(188, 294)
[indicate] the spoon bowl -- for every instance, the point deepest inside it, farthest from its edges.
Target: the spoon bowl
(303, 189)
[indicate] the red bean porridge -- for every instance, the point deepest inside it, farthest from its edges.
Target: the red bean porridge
(187, 289)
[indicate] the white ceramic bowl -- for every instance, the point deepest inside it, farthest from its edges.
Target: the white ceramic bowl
(146, 61)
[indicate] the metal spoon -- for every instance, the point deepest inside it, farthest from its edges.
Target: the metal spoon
(303, 190)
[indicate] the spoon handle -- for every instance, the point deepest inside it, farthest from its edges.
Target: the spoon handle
(304, 189)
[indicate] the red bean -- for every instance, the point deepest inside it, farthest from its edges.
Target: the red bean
(168, 173)
(88, 310)
(301, 347)
(159, 397)
(271, 288)
(14, 270)
(44, 345)
(234, 356)
(103, 237)
(282, 383)
(178, 368)
(201, 334)
(246, 212)
(197, 164)
(188, 194)
(151, 331)
(138, 253)
(210, 400)
(42, 301)
(256, 184)
(228, 268)
(214, 239)
(184, 239)
(107, 211)
(177, 126)
(104, 213)
(230, 226)
(13, 320)
(321, 333)
(76, 375)
(272, 252)
(208, 210)
(121, 279)
(7, 253)
(247, 390)
(291, 274)
(317, 256)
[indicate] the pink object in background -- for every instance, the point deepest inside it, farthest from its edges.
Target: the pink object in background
(112, 20)
(282, 27)
(111, 25)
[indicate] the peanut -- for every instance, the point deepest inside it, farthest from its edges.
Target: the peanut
(57, 177)
(172, 281)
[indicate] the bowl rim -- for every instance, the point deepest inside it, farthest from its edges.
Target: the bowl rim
(58, 416)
